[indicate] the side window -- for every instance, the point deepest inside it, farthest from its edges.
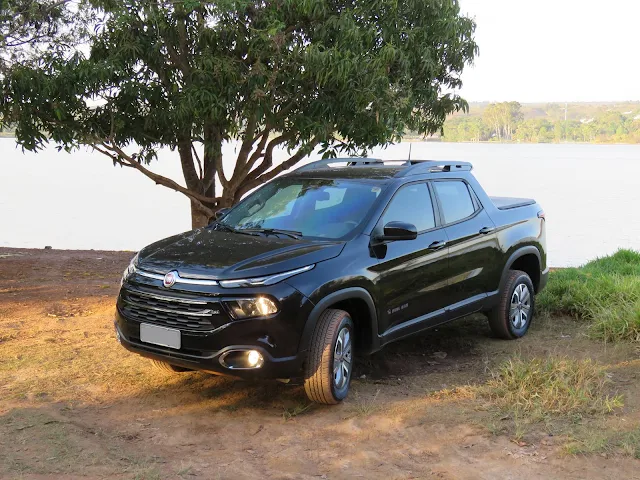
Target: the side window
(455, 200)
(411, 204)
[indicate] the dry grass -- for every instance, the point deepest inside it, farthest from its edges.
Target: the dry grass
(364, 406)
(562, 386)
(556, 395)
(536, 388)
(292, 412)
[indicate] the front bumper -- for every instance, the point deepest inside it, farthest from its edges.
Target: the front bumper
(273, 367)
(277, 338)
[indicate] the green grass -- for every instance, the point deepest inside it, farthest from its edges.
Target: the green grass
(616, 323)
(605, 292)
(605, 441)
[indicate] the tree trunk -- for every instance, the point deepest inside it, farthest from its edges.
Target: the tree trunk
(198, 218)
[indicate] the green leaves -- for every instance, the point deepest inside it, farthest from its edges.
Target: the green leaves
(160, 73)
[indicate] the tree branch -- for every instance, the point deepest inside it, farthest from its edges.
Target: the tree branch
(287, 164)
(129, 161)
(245, 148)
(113, 157)
(259, 152)
(195, 154)
(188, 167)
(302, 152)
(267, 162)
(212, 137)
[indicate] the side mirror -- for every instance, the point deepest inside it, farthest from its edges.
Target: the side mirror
(399, 231)
(221, 213)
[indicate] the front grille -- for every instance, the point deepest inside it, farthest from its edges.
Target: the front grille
(174, 312)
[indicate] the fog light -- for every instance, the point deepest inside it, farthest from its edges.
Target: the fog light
(254, 359)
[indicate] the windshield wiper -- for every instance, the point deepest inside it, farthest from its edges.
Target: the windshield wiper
(275, 231)
(227, 228)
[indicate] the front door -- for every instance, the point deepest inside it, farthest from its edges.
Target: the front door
(412, 274)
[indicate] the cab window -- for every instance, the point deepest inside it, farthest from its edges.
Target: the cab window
(455, 200)
(411, 204)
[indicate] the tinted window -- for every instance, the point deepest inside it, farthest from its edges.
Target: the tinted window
(455, 200)
(411, 204)
(316, 208)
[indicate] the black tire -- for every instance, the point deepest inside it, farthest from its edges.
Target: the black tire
(319, 382)
(500, 318)
(167, 367)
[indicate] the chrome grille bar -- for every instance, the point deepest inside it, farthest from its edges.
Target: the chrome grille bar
(203, 313)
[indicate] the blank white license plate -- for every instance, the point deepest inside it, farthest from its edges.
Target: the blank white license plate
(167, 337)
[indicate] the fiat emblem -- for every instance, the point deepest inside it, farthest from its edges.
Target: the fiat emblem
(169, 279)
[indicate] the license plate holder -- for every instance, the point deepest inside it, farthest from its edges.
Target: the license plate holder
(163, 336)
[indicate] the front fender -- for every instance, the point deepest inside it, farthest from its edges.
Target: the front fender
(349, 293)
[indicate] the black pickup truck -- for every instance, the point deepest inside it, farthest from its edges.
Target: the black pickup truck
(333, 260)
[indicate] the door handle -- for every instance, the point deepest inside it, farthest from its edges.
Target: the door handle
(438, 245)
(486, 230)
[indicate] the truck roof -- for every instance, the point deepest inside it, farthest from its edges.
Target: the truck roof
(377, 169)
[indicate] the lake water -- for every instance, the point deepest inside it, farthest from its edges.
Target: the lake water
(590, 193)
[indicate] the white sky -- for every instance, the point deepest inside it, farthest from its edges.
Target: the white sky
(554, 50)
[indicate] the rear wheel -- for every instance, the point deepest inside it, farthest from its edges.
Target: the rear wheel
(167, 367)
(511, 318)
(330, 361)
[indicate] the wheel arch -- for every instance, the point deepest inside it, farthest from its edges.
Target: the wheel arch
(527, 259)
(361, 307)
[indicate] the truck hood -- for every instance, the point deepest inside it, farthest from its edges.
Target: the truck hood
(213, 254)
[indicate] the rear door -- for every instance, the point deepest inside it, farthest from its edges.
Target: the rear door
(474, 251)
(412, 274)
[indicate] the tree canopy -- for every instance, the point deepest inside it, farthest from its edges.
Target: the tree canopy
(29, 27)
(345, 75)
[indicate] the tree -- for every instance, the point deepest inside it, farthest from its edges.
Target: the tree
(464, 129)
(502, 118)
(528, 130)
(511, 117)
(190, 75)
(492, 119)
(28, 27)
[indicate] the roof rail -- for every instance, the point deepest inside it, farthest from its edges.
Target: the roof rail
(350, 162)
(411, 167)
(417, 167)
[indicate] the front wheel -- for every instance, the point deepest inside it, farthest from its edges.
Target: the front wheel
(330, 361)
(511, 318)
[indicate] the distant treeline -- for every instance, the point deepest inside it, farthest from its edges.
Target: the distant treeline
(513, 122)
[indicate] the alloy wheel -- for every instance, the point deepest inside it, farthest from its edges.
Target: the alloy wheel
(520, 310)
(342, 358)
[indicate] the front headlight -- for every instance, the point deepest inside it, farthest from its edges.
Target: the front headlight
(251, 307)
(130, 270)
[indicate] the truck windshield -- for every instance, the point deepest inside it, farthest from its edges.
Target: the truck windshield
(322, 208)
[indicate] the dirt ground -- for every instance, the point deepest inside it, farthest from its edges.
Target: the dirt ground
(74, 404)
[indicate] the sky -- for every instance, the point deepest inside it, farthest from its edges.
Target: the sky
(554, 50)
